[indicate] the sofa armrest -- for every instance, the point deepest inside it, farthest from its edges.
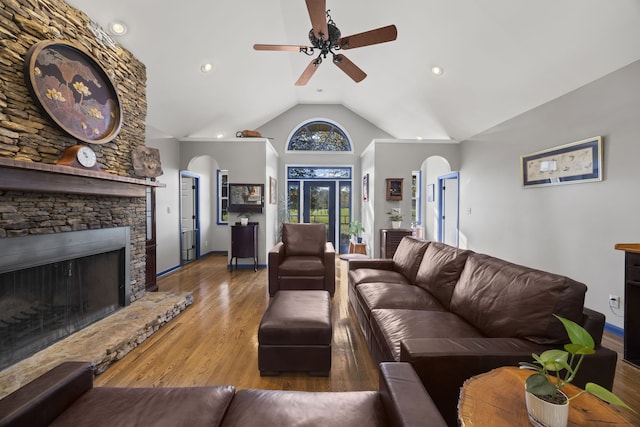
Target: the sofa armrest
(593, 321)
(406, 401)
(275, 257)
(377, 263)
(330, 268)
(39, 402)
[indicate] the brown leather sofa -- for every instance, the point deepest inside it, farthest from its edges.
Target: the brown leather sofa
(302, 260)
(65, 396)
(455, 313)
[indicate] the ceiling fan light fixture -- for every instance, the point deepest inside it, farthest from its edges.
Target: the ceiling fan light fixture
(118, 28)
(437, 70)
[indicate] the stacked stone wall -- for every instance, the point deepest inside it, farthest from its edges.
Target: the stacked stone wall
(27, 134)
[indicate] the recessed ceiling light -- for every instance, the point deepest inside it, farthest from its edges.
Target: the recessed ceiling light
(205, 68)
(220, 135)
(118, 28)
(419, 138)
(437, 70)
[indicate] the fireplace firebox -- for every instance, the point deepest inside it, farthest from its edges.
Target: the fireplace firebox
(55, 284)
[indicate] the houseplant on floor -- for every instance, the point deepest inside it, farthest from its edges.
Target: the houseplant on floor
(546, 404)
(356, 229)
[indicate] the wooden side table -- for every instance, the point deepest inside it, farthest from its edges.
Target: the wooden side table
(496, 399)
(357, 248)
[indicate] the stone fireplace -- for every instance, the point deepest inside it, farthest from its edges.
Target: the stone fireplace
(55, 284)
(40, 198)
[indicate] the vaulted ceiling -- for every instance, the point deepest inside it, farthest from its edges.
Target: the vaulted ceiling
(500, 58)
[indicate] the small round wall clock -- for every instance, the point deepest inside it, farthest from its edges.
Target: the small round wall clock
(80, 156)
(73, 90)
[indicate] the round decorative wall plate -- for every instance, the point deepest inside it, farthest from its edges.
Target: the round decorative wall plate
(73, 90)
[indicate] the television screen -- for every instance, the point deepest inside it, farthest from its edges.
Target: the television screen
(246, 197)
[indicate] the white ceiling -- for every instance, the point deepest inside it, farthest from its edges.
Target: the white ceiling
(501, 58)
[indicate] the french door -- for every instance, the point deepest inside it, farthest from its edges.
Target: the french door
(318, 194)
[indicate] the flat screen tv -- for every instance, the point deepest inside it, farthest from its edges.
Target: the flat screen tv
(246, 197)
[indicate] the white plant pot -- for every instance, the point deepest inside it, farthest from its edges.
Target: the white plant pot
(244, 221)
(396, 224)
(546, 414)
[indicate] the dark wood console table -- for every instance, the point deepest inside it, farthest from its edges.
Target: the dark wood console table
(631, 302)
(244, 243)
(390, 239)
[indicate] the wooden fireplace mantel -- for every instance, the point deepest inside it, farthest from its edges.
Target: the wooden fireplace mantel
(46, 178)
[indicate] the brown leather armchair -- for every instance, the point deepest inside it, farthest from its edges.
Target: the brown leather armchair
(302, 260)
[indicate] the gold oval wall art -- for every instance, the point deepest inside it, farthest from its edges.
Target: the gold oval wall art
(73, 90)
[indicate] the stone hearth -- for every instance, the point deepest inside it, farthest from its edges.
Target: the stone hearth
(103, 342)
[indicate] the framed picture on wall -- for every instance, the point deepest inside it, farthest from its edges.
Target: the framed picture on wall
(365, 187)
(572, 163)
(394, 188)
(273, 190)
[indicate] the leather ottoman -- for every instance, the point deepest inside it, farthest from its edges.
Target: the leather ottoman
(295, 333)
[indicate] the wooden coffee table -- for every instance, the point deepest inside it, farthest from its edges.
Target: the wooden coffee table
(496, 399)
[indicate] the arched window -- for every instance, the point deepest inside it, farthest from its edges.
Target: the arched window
(319, 135)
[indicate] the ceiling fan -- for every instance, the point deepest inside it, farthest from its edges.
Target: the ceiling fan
(326, 37)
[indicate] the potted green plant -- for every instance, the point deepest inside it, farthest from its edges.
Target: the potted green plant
(395, 218)
(244, 217)
(356, 229)
(547, 405)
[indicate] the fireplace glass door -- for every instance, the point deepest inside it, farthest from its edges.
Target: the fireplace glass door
(43, 304)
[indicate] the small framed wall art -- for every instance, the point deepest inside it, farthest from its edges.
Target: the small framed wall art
(394, 188)
(577, 162)
(365, 187)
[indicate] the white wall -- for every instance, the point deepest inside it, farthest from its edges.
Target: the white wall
(433, 167)
(168, 205)
(247, 162)
(566, 229)
(360, 131)
(397, 159)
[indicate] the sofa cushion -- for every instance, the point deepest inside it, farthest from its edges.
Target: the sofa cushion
(408, 255)
(393, 295)
(294, 408)
(371, 275)
(391, 326)
(440, 270)
(301, 266)
(507, 300)
(170, 407)
(304, 239)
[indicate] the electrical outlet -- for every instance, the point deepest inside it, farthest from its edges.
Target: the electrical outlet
(614, 301)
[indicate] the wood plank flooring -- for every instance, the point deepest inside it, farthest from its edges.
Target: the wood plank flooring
(215, 340)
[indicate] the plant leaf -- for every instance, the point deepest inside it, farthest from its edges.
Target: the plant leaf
(577, 334)
(605, 395)
(539, 385)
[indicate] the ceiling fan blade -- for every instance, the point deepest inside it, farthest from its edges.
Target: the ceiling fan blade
(351, 69)
(379, 35)
(308, 72)
(281, 47)
(318, 15)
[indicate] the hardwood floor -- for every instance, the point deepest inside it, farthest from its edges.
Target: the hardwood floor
(215, 340)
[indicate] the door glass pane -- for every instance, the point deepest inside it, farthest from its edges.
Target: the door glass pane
(319, 203)
(345, 215)
(294, 202)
